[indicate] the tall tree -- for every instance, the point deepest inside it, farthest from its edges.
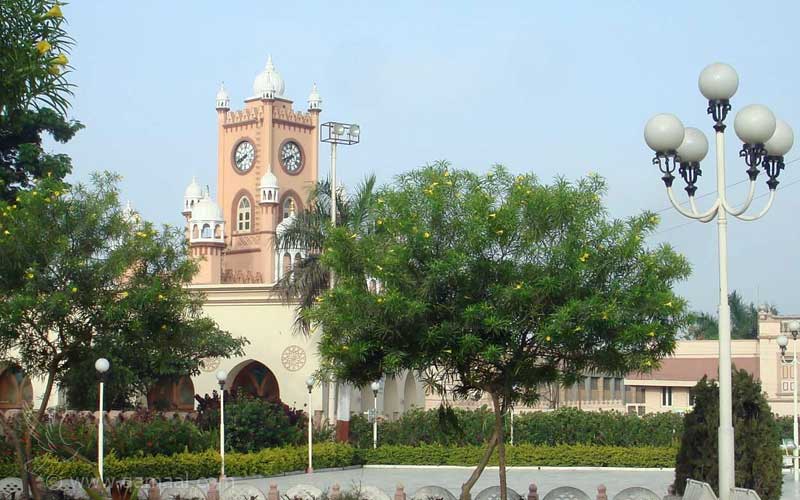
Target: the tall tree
(497, 284)
(81, 277)
(744, 321)
(306, 281)
(33, 93)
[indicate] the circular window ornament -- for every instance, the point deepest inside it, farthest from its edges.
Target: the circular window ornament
(293, 358)
(209, 364)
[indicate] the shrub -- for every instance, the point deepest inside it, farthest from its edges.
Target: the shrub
(757, 455)
(253, 424)
(150, 433)
(563, 426)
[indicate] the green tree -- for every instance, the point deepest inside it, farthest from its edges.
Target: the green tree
(33, 93)
(81, 277)
(495, 285)
(758, 458)
(744, 321)
(305, 282)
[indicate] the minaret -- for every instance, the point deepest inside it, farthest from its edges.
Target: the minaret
(207, 239)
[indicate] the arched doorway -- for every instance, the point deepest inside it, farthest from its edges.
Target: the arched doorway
(258, 381)
(391, 398)
(172, 394)
(16, 389)
(410, 392)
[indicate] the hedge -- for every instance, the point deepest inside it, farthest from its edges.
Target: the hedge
(273, 461)
(526, 455)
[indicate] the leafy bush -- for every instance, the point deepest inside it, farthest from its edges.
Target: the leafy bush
(563, 426)
(757, 455)
(150, 433)
(253, 424)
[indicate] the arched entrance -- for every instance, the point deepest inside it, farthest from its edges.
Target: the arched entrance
(410, 392)
(16, 389)
(258, 381)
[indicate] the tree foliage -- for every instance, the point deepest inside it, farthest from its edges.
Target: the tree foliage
(82, 278)
(497, 284)
(33, 93)
(758, 458)
(744, 320)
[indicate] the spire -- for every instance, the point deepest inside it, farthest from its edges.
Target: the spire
(223, 100)
(314, 99)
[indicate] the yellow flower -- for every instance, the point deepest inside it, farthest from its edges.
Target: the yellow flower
(668, 304)
(379, 268)
(520, 178)
(34, 192)
(547, 338)
(319, 299)
(449, 183)
(428, 191)
(29, 276)
(578, 328)
(493, 215)
(605, 315)
(380, 300)
(61, 60)
(584, 257)
(6, 232)
(519, 285)
(648, 363)
(434, 184)
(652, 334)
(653, 219)
(43, 46)
(380, 222)
(353, 236)
(54, 70)
(124, 295)
(380, 200)
(160, 297)
(56, 193)
(345, 348)
(54, 12)
(499, 231)
(74, 289)
(427, 234)
(446, 173)
(13, 206)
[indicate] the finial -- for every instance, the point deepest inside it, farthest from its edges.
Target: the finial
(269, 62)
(207, 194)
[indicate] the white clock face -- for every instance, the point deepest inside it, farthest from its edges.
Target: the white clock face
(244, 156)
(291, 157)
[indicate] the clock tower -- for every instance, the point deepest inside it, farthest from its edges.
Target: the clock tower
(267, 156)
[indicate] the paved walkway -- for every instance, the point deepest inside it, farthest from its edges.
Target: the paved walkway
(518, 479)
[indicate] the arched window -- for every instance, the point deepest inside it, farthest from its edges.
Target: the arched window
(289, 207)
(243, 215)
(287, 263)
(206, 231)
(217, 231)
(297, 259)
(195, 232)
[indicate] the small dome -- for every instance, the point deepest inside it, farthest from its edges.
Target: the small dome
(269, 82)
(269, 181)
(287, 221)
(193, 190)
(206, 210)
(314, 99)
(223, 99)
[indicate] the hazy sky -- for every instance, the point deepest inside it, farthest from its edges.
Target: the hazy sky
(554, 88)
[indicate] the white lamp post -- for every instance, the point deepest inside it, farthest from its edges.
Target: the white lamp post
(221, 377)
(337, 133)
(783, 342)
(512, 426)
(101, 365)
(376, 386)
(310, 386)
(766, 141)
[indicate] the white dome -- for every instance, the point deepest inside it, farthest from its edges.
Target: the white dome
(284, 224)
(223, 99)
(193, 190)
(314, 99)
(269, 181)
(206, 210)
(269, 82)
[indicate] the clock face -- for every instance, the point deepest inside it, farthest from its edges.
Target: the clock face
(244, 156)
(291, 157)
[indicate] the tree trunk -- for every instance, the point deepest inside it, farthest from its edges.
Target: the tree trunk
(476, 474)
(501, 445)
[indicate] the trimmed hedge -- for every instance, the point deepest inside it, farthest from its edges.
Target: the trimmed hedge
(275, 461)
(526, 455)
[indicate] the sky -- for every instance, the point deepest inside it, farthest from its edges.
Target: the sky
(553, 88)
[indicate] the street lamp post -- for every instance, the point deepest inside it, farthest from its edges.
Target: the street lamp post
(221, 377)
(794, 328)
(310, 387)
(766, 141)
(336, 133)
(101, 365)
(375, 388)
(512, 426)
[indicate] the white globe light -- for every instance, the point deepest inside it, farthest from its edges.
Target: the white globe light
(694, 146)
(794, 326)
(663, 132)
(718, 81)
(754, 124)
(783, 341)
(102, 365)
(310, 382)
(376, 386)
(338, 129)
(355, 130)
(781, 141)
(221, 376)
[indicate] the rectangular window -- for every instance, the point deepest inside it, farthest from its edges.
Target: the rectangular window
(595, 388)
(618, 389)
(666, 396)
(607, 396)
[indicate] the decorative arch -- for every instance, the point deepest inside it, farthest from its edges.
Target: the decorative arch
(172, 393)
(298, 204)
(16, 390)
(244, 215)
(410, 392)
(298, 258)
(258, 381)
(234, 209)
(218, 231)
(195, 232)
(287, 264)
(206, 232)
(391, 399)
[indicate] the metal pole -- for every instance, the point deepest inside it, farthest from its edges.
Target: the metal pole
(375, 420)
(334, 393)
(310, 429)
(100, 434)
(222, 428)
(796, 451)
(512, 426)
(725, 431)
(333, 189)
